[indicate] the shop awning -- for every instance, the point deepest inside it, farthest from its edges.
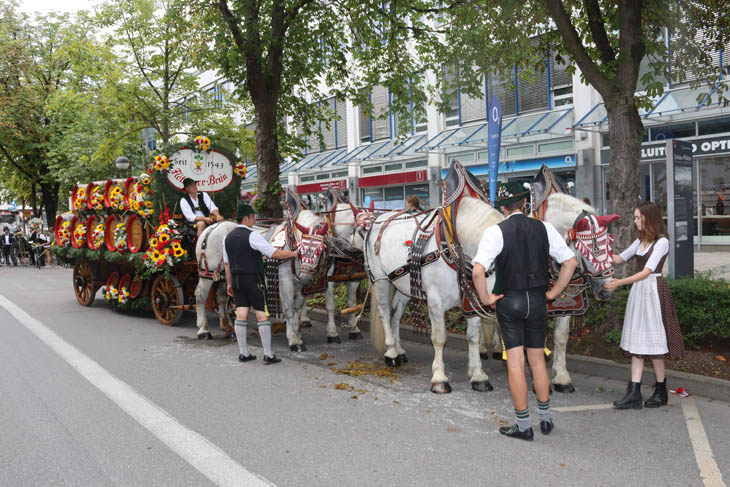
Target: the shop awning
(683, 100)
(555, 121)
(362, 152)
(395, 148)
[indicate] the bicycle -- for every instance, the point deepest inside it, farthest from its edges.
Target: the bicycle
(41, 251)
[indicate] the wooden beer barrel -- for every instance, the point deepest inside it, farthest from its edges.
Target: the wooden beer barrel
(110, 228)
(75, 222)
(136, 240)
(112, 280)
(58, 226)
(74, 195)
(128, 189)
(124, 281)
(137, 287)
(91, 223)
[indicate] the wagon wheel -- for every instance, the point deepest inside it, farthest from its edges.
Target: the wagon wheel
(83, 279)
(167, 299)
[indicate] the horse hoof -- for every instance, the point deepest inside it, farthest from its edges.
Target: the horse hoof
(402, 357)
(497, 355)
(298, 348)
(441, 388)
(392, 362)
(333, 340)
(481, 386)
(355, 336)
(564, 387)
(484, 355)
(306, 324)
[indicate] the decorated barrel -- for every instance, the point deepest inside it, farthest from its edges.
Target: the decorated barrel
(137, 287)
(110, 228)
(95, 232)
(112, 280)
(78, 198)
(61, 230)
(128, 189)
(78, 232)
(136, 240)
(124, 281)
(95, 196)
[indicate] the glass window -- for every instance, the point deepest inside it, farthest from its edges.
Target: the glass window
(483, 156)
(716, 126)
(563, 145)
(304, 179)
(462, 158)
(673, 131)
(372, 194)
(394, 167)
(659, 185)
(414, 164)
(321, 177)
(714, 190)
(420, 190)
(372, 169)
(339, 174)
(394, 198)
(525, 150)
(645, 182)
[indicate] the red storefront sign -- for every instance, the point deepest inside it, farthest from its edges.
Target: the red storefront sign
(321, 187)
(396, 178)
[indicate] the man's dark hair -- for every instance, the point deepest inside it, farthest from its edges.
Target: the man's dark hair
(516, 205)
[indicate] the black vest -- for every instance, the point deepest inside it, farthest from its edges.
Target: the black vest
(201, 204)
(523, 262)
(242, 258)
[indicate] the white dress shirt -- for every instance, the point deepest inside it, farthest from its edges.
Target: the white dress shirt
(191, 213)
(492, 243)
(661, 248)
(256, 241)
(6, 238)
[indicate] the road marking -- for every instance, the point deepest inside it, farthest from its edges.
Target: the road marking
(194, 448)
(710, 473)
(589, 407)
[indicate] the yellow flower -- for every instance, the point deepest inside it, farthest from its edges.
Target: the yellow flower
(178, 252)
(155, 255)
(153, 242)
(164, 238)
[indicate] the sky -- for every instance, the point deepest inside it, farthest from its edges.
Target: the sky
(46, 6)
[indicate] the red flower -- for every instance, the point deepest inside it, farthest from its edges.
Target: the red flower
(409, 242)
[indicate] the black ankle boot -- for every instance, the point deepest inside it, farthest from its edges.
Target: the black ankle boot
(660, 397)
(632, 399)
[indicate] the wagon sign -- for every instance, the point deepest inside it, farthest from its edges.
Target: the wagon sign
(212, 170)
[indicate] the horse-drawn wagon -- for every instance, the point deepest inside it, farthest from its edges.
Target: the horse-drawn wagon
(124, 236)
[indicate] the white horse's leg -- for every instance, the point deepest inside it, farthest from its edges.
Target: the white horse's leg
(561, 380)
(224, 320)
(439, 380)
(291, 304)
(490, 339)
(400, 301)
(478, 378)
(304, 320)
(329, 298)
(382, 294)
(355, 332)
(201, 294)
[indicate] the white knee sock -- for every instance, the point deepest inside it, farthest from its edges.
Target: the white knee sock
(240, 327)
(265, 333)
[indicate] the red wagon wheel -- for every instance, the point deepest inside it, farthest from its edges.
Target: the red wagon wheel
(83, 281)
(167, 299)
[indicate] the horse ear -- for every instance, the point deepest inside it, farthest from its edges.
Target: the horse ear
(583, 225)
(372, 205)
(355, 211)
(604, 220)
(302, 228)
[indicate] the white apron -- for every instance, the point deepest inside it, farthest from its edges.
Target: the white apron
(643, 332)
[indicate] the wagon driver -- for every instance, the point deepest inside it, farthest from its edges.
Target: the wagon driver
(197, 207)
(242, 249)
(522, 284)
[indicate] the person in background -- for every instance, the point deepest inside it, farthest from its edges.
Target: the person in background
(651, 327)
(413, 204)
(587, 201)
(197, 207)
(7, 244)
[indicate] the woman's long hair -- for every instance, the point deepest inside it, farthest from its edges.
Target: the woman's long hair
(653, 223)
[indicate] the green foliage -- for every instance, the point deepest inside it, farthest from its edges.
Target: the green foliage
(613, 337)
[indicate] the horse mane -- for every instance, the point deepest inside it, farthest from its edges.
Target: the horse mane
(473, 217)
(562, 209)
(309, 219)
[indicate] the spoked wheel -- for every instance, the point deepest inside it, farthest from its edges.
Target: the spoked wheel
(83, 279)
(167, 299)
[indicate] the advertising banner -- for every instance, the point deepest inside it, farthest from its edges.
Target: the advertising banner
(494, 135)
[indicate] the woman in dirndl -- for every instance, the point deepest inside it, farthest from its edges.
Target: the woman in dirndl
(651, 328)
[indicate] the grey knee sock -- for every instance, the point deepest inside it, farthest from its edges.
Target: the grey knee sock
(543, 410)
(265, 333)
(240, 327)
(523, 419)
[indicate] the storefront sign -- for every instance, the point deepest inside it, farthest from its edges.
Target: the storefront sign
(657, 151)
(211, 170)
(395, 178)
(321, 187)
(516, 166)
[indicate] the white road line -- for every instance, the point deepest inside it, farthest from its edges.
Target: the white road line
(195, 449)
(710, 473)
(589, 407)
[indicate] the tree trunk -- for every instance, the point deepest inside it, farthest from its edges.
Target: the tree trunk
(50, 201)
(267, 159)
(626, 134)
(34, 200)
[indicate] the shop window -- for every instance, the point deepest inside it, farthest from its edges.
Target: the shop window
(524, 150)
(372, 194)
(419, 190)
(394, 198)
(372, 169)
(659, 185)
(462, 158)
(716, 126)
(394, 167)
(561, 146)
(673, 131)
(339, 174)
(322, 177)
(483, 156)
(715, 199)
(415, 164)
(644, 182)
(305, 179)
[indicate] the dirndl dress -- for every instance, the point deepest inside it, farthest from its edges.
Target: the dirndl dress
(651, 327)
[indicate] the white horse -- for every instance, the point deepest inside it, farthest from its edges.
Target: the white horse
(439, 281)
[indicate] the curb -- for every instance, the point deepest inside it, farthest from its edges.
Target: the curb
(698, 385)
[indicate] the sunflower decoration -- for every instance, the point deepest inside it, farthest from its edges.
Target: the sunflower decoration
(120, 237)
(165, 247)
(98, 236)
(80, 235)
(96, 198)
(80, 201)
(202, 143)
(161, 163)
(240, 169)
(140, 201)
(123, 295)
(64, 235)
(116, 198)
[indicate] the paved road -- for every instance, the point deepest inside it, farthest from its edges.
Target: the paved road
(94, 397)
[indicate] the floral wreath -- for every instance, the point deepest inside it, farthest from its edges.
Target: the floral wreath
(98, 236)
(120, 237)
(80, 201)
(64, 235)
(161, 163)
(202, 142)
(80, 235)
(240, 169)
(116, 198)
(140, 200)
(96, 198)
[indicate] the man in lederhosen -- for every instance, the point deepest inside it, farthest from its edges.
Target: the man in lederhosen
(242, 250)
(197, 207)
(521, 248)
